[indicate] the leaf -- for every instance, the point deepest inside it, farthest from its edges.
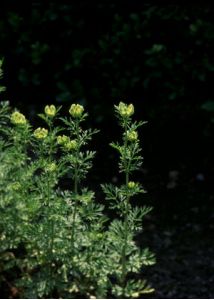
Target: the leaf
(147, 257)
(116, 146)
(43, 117)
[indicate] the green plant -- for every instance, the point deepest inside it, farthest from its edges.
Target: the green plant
(38, 214)
(55, 238)
(127, 257)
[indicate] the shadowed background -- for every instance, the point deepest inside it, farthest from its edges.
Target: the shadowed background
(160, 58)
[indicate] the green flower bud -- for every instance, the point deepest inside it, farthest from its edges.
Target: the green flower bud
(40, 133)
(50, 110)
(66, 142)
(130, 110)
(17, 118)
(71, 145)
(122, 109)
(62, 139)
(132, 184)
(125, 110)
(132, 135)
(50, 167)
(76, 110)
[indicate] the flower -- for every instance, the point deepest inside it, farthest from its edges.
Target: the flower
(132, 135)
(130, 110)
(76, 110)
(66, 142)
(40, 133)
(17, 118)
(51, 167)
(132, 184)
(63, 139)
(125, 110)
(50, 110)
(71, 145)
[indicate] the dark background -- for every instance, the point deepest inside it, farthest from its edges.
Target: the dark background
(160, 58)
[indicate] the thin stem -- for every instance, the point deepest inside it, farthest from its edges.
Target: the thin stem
(76, 182)
(52, 230)
(51, 238)
(51, 246)
(124, 268)
(74, 212)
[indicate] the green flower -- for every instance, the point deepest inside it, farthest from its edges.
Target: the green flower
(71, 145)
(40, 133)
(125, 110)
(51, 167)
(66, 142)
(76, 110)
(132, 135)
(132, 184)
(17, 118)
(50, 110)
(62, 139)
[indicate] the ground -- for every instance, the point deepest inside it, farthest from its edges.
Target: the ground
(185, 264)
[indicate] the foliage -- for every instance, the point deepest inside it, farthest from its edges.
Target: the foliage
(128, 258)
(56, 239)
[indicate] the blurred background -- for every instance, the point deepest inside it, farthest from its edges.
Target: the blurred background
(161, 59)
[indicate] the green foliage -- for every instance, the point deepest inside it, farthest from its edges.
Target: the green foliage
(128, 259)
(56, 239)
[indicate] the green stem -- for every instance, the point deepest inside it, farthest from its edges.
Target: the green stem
(124, 267)
(51, 222)
(51, 246)
(48, 205)
(74, 212)
(76, 182)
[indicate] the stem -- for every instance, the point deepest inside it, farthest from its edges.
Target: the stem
(75, 212)
(76, 182)
(51, 225)
(124, 268)
(51, 246)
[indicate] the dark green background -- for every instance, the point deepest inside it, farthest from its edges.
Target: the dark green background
(159, 57)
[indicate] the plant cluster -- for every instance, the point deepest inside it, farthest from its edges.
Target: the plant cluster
(56, 238)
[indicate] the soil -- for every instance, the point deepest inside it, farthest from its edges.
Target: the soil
(185, 264)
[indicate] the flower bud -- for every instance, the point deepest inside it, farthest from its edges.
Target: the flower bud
(132, 184)
(76, 110)
(125, 110)
(132, 135)
(51, 167)
(130, 110)
(62, 139)
(71, 145)
(17, 118)
(40, 133)
(122, 109)
(66, 142)
(50, 110)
